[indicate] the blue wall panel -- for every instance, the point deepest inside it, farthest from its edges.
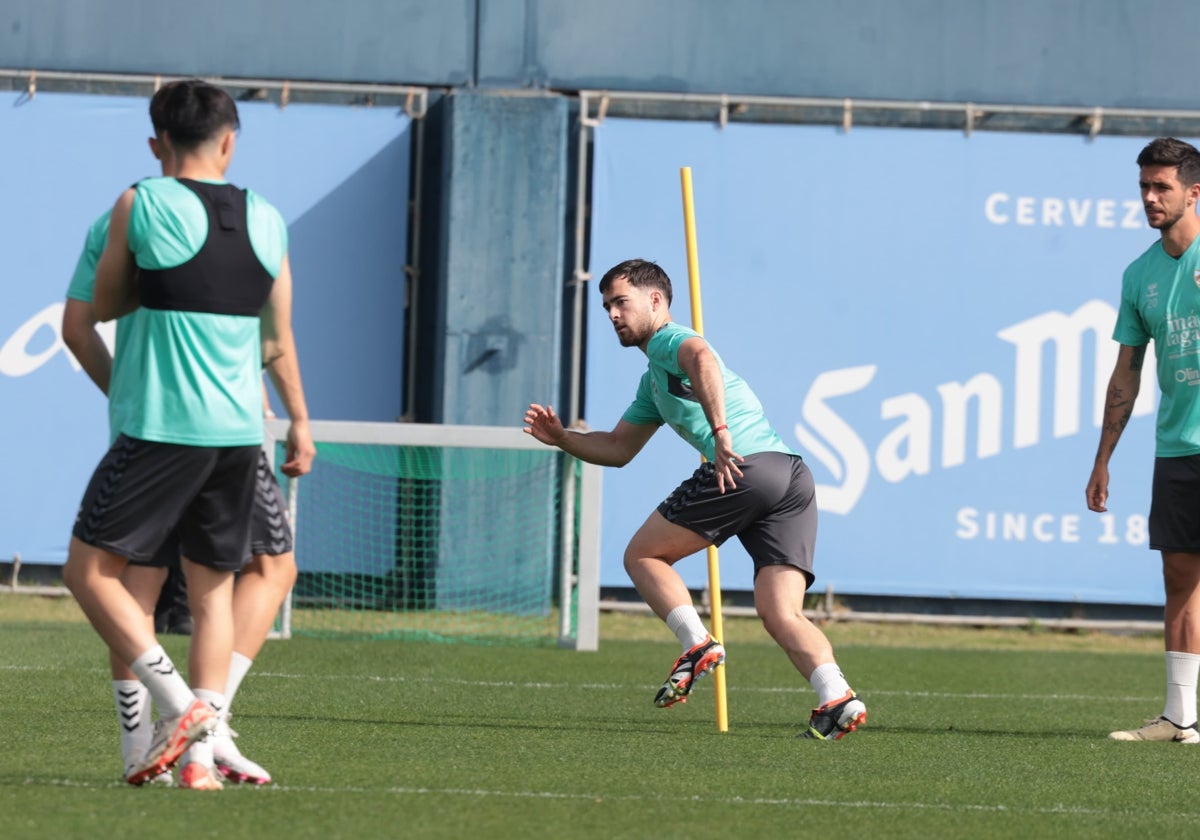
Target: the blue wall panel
(866, 284)
(338, 175)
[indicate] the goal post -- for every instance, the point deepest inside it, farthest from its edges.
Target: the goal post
(453, 533)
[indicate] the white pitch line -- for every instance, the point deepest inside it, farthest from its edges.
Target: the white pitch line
(400, 679)
(953, 695)
(778, 802)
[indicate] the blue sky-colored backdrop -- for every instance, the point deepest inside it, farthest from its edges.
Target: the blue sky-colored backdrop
(927, 318)
(338, 174)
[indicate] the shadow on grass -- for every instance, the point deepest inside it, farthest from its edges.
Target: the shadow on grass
(747, 729)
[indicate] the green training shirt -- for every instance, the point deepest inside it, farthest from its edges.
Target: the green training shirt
(191, 378)
(1160, 301)
(665, 395)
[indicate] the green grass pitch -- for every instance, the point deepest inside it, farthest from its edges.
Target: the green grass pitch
(974, 734)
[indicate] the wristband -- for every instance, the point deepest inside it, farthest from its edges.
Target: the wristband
(723, 427)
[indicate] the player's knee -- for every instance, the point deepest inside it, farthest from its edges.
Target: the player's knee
(1181, 575)
(637, 558)
(72, 576)
(283, 571)
(780, 620)
(769, 618)
(632, 562)
(79, 567)
(277, 569)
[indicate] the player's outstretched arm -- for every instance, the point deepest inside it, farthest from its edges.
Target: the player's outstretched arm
(1123, 387)
(608, 449)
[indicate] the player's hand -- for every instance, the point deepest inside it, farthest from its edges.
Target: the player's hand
(543, 424)
(1097, 489)
(300, 450)
(726, 461)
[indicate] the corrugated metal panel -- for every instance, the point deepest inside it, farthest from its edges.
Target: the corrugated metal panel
(392, 41)
(1066, 52)
(1021, 52)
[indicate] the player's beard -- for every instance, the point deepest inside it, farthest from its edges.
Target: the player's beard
(632, 335)
(1167, 219)
(628, 338)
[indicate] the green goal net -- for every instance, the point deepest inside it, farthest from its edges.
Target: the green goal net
(450, 533)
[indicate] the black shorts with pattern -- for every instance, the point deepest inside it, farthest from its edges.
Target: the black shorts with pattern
(143, 490)
(772, 511)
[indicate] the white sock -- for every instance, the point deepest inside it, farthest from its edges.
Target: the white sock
(201, 752)
(828, 682)
(133, 715)
(1182, 671)
(238, 666)
(685, 623)
(214, 699)
(157, 672)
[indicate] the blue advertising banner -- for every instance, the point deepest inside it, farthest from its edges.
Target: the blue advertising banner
(339, 175)
(927, 318)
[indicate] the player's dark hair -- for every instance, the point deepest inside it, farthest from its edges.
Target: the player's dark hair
(639, 273)
(192, 112)
(1167, 151)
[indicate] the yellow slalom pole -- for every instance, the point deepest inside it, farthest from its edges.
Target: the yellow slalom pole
(714, 565)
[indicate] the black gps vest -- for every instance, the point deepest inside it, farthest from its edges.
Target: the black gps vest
(225, 276)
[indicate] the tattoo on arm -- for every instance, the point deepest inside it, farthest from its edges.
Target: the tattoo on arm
(1118, 411)
(1137, 357)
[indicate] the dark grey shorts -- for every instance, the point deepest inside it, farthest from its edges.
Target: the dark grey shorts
(141, 490)
(772, 511)
(1175, 504)
(270, 531)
